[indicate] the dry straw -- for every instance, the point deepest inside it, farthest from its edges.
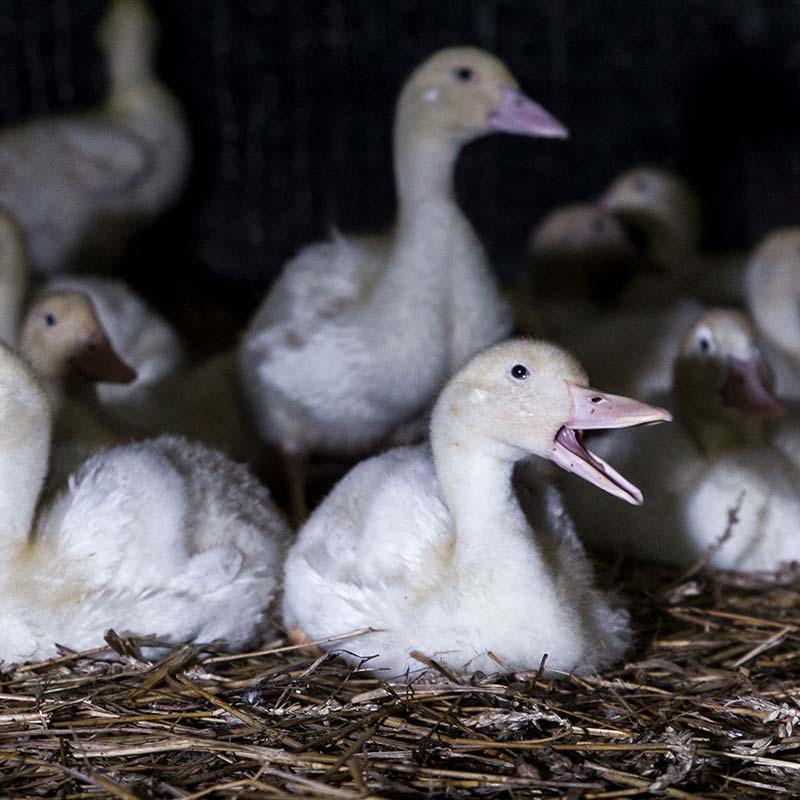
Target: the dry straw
(706, 707)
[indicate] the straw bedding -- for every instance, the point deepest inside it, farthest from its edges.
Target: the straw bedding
(706, 706)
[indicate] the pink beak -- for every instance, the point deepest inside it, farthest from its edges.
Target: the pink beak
(519, 114)
(745, 389)
(592, 410)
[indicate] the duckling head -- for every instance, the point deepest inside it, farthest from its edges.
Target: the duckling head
(773, 288)
(581, 248)
(62, 335)
(461, 93)
(721, 379)
(660, 210)
(525, 397)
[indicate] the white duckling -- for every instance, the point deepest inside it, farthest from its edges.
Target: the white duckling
(164, 537)
(14, 278)
(433, 550)
(716, 460)
(142, 337)
(773, 298)
(64, 341)
(580, 257)
(422, 299)
(65, 178)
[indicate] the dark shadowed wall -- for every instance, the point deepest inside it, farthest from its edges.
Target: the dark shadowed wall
(290, 105)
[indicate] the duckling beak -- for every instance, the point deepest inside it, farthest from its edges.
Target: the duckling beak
(593, 410)
(519, 114)
(98, 361)
(746, 390)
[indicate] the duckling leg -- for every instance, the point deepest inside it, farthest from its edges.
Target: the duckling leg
(294, 463)
(299, 637)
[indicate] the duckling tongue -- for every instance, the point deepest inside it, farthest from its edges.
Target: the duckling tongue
(519, 114)
(570, 454)
(98, 361)
(745, 389)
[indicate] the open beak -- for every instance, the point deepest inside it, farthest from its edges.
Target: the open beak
(519, 114)
(746, 390)
(98, 361)
(592, 410)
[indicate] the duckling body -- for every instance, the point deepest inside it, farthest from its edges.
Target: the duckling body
(66, 179)
(717, 485)
(163, 537)
(313, 362)
(431, 548)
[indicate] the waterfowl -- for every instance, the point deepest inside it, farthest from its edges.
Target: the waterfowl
(580, 257)
(71, 181)
(163, 537)
(718, 459)
(142, 337)
(432, 549)
(772, 286)
(314, 362)
(64, 341)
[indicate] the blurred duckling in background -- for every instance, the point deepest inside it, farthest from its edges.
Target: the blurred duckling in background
(77, 182)
(718, 487)
(64, 341)
(580, 257)
(773, 298)
(163, 537)
(359, 333)
(432, 549)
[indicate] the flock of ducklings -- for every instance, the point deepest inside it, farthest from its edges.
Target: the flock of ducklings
(123, 502)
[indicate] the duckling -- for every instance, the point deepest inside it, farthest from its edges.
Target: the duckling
(162, 537)
(313, 362)
(580, 258)
(73, 181)
(14, 277)
(431, 548)
(64, 341)
(717, 486)
(143, 338)
(773, 298)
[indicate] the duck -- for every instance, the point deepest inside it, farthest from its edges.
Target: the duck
(76, 183)
(580, 257)
(720, 490)
(313, 361)
(143, 338)
(772, 286)
(432, 550)
(66, 344)
(162, 538)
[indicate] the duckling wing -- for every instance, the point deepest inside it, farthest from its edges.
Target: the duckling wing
(373, 551)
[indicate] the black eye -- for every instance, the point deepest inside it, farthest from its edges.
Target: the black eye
(705, 345)
(640, 184)
(520, 372)
(50, 320)
(464, 73)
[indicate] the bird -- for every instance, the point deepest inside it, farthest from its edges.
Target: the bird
(772, 287)
(720, 490)
(163, 537)
(432, 551)
(75, 183)
(313, 361)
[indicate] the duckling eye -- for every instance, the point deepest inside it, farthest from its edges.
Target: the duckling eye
(50, 320)
(464, 73)
(520, 372)
(639, 184)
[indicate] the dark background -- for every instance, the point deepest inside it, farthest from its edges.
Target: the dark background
(290, 106)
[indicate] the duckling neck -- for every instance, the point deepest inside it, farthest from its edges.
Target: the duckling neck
(424, 167)
(476, 486)
(712, 435)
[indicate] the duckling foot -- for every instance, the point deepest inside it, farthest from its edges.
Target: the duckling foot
(298, 636)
